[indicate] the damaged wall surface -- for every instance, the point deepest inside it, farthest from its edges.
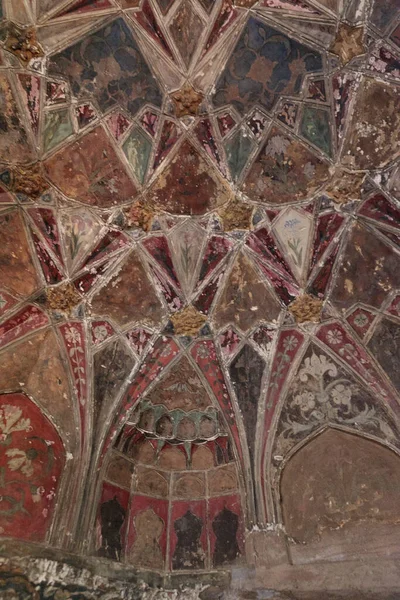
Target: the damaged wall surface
(199, 299)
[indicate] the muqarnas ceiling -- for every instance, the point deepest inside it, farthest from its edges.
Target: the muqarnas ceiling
(199, 283)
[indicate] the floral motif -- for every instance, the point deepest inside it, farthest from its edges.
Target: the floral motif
(29, 467)
(305, 401)
(202, 352)
(341, 395)
(10, 421)
(73, 336)
(20, 461)
(100, 333)
(316, 366)
(290, 343)
(322, 395)
(361, 320)
(166, 352)
(335, 336)
(74, 339)
(358, 359)
(78, 229)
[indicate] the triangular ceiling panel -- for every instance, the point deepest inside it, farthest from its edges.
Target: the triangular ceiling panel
(85, 6)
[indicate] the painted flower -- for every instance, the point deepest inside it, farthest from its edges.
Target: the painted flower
(100, 333)
(316, 367)
(290, 343)
(202, 352)
(305, 401)
(21, 460)
(276, 146)
(341, 394)
(10, 420)
(334, 337)
(73, 336)
(166, 352)
(361, 320)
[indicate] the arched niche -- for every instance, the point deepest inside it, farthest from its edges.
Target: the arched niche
(32, 460)
(340, 496)
(171, 497)
(170, 506)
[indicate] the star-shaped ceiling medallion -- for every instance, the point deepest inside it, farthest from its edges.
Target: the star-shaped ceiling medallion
(23, 43)
(187, 101)
(349, 43)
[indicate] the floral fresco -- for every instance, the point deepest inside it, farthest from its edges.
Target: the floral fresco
(199, 294)
(32, 460)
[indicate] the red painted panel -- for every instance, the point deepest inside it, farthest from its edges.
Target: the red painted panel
(31, 461)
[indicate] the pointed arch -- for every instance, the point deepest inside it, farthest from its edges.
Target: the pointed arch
(323, 391)
(340, 488)
(173, 457)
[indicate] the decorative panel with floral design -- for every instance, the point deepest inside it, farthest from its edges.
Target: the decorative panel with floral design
(31, 462)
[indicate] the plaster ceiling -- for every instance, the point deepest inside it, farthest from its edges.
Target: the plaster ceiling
(199, 224)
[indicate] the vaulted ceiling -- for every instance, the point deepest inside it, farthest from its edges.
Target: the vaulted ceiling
(199, 282)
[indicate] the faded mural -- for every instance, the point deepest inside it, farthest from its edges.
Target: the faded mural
(199, 277)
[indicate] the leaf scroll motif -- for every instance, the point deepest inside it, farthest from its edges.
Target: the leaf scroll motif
(77, 357)
(321, 396)
(297, 251)
(283, 359)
